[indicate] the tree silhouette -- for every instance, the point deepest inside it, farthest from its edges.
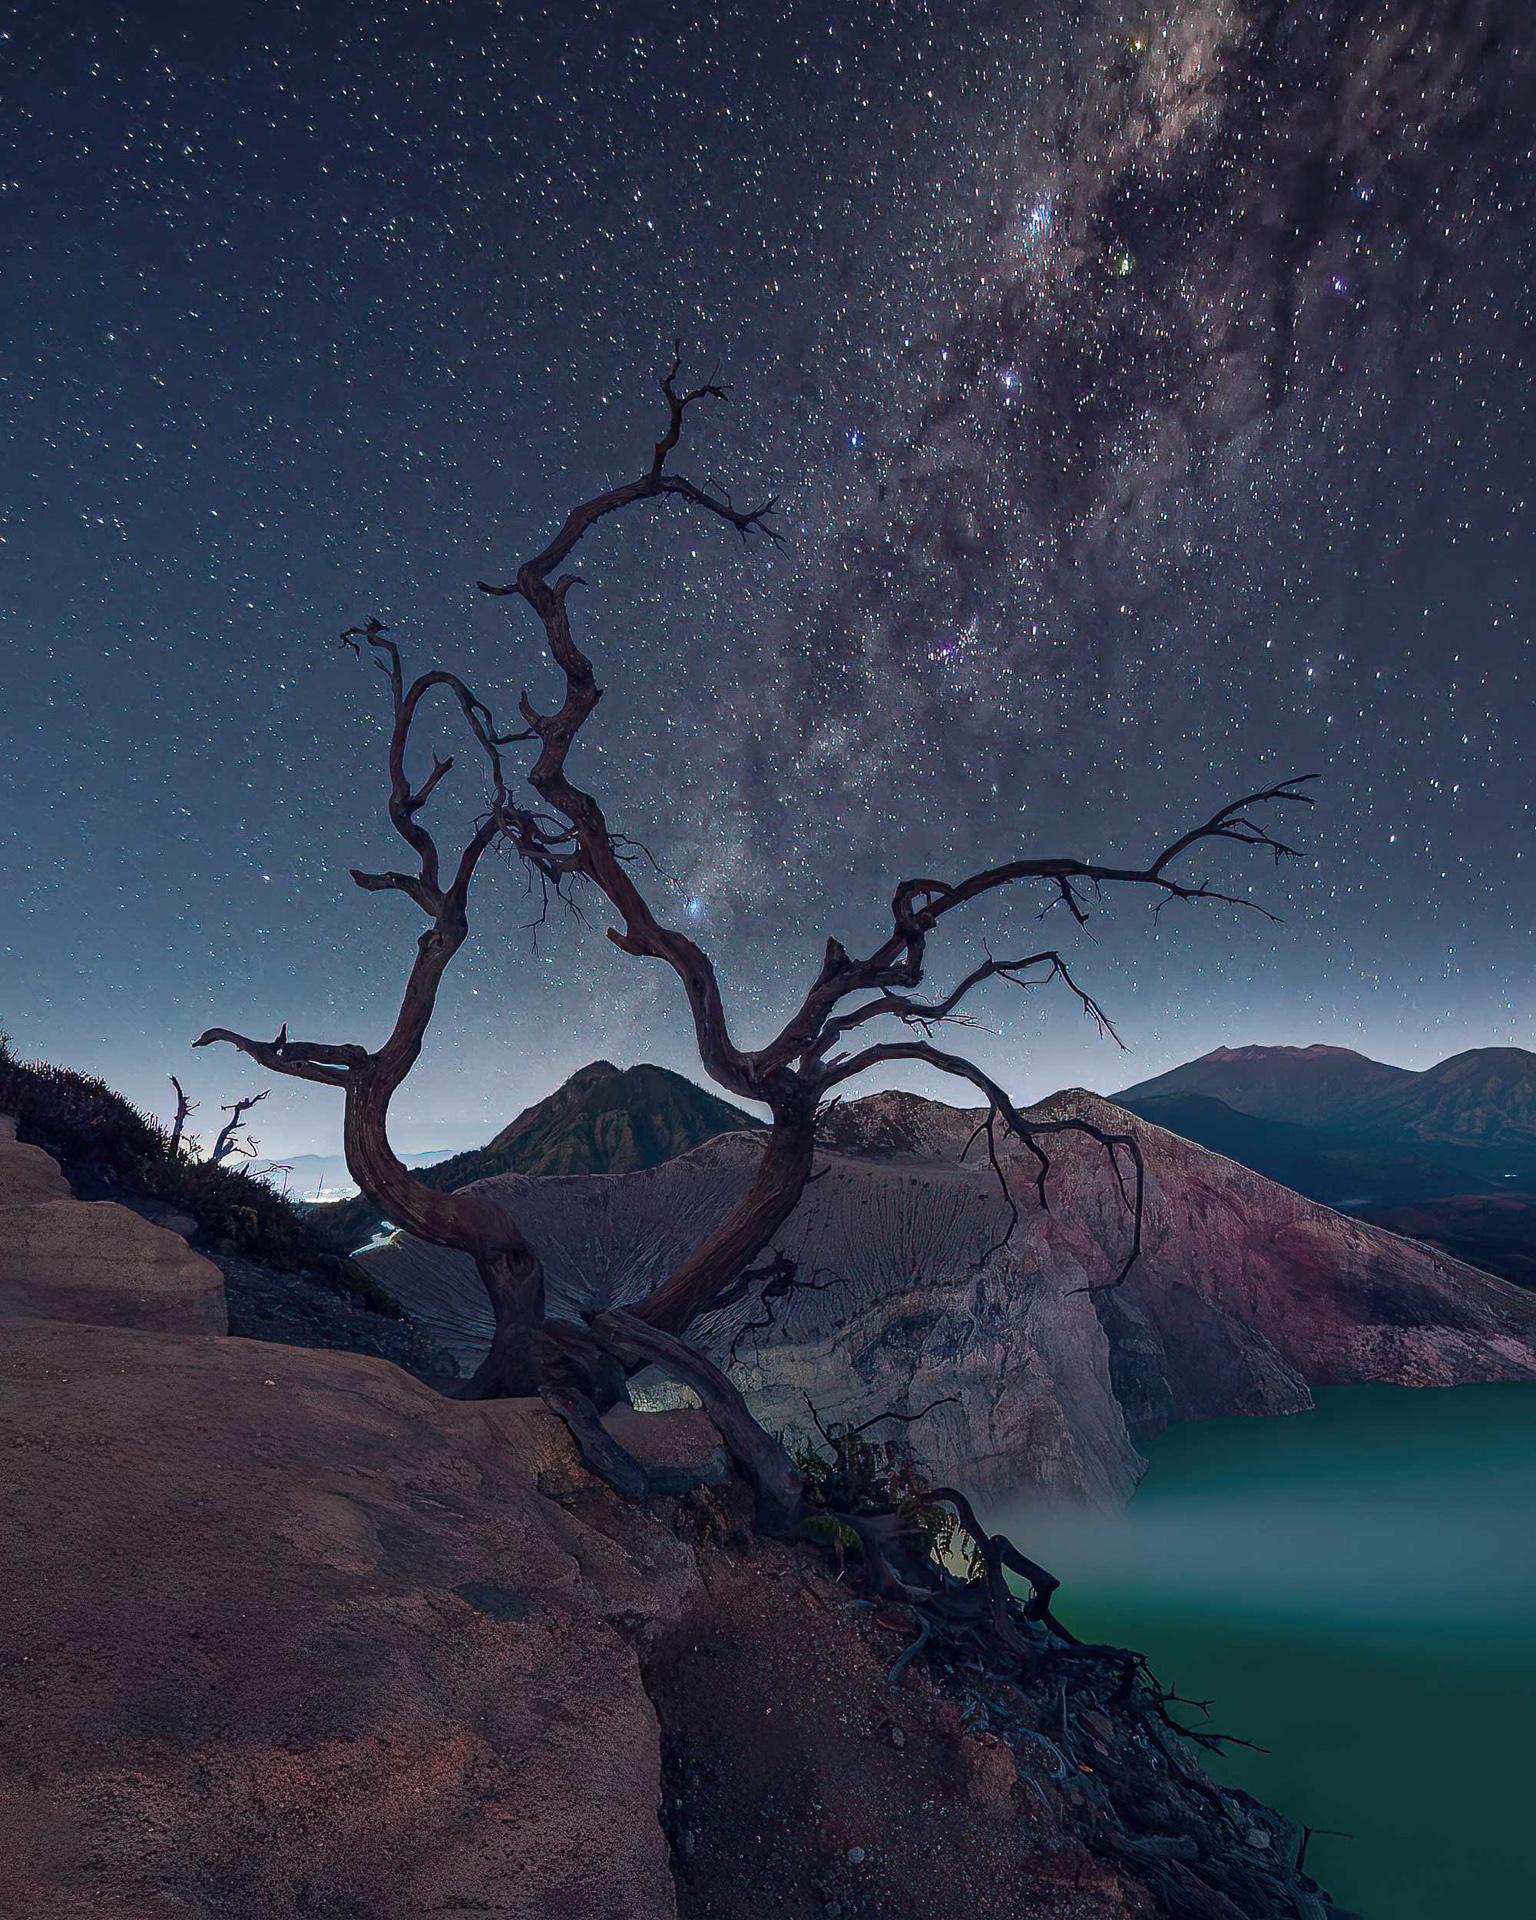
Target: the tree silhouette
(856, 1013)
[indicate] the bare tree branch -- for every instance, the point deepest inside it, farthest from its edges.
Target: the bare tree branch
(776, 1284)
(598, 856)
(184, 1106)
(228, 1142)
(876, 1419)
(472, 1223)
(927, 1016)
(918, 905)
(327, 1066)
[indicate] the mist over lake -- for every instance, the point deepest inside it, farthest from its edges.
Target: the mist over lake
(1352, 1588)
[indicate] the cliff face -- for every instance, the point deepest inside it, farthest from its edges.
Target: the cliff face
(289, 1635)
(1246, 1296)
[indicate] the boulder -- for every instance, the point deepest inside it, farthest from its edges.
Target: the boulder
(28, 1176)
(288, 1634)
(671, 1437)
(94, 1261)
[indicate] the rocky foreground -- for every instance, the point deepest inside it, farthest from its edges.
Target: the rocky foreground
(96, 1262)
(289, 1634)
(1246, 1296)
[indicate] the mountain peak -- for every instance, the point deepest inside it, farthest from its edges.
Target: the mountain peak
(1317, 1050)
(603, 1119)
(1315, 1084)
(1486, 1096)
(898, 1125)
(608, 1119)
(1483, 1098)
(593, 1070)
(1485, 1061)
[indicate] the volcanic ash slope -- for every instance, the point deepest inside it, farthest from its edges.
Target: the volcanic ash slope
(1246, 1295)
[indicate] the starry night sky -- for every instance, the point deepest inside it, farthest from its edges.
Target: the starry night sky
(1147, 389)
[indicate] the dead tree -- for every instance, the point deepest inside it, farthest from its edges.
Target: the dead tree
(184, 1106)
(229, 1142)
(835, 1034)
(508, 1268)
(832, 1038)
(821, 1048)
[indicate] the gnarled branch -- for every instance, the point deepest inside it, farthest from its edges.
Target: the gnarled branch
(471, 1223)
(228, 1141)
(794, 1071)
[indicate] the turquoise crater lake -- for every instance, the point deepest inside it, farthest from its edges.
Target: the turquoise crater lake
(1355, 1589)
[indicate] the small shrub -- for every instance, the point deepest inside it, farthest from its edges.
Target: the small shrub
(872, 1476)
(75, 1116)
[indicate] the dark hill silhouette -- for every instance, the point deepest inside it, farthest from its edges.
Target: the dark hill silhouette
(604, 1119)
(1496, 1232)
(1350, 1167)
(1447, 1155)
(1298, 1157)
(1483, 1098)
(1307, 1086)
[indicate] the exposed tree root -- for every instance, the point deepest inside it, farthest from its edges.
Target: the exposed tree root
(613, 1463)
(778, 1488)
(1119, 1770)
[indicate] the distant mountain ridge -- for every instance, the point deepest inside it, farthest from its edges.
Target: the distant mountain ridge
(1447, 1154)
(1486, 1096)
(1302, 1085)
(1483, 1097)
(604, 1119)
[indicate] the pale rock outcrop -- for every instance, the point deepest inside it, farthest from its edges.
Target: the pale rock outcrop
(1247, 1295)
(94, 1261)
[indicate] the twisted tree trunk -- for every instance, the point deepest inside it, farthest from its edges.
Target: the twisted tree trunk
(746, 1230)
(509, 1269)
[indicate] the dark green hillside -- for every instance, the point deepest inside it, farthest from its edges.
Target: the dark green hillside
(603, 1120)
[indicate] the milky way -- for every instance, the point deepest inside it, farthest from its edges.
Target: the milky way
(1220, 250)
(1146, 388)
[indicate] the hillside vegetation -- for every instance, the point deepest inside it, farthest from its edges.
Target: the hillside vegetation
(110, 1148)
